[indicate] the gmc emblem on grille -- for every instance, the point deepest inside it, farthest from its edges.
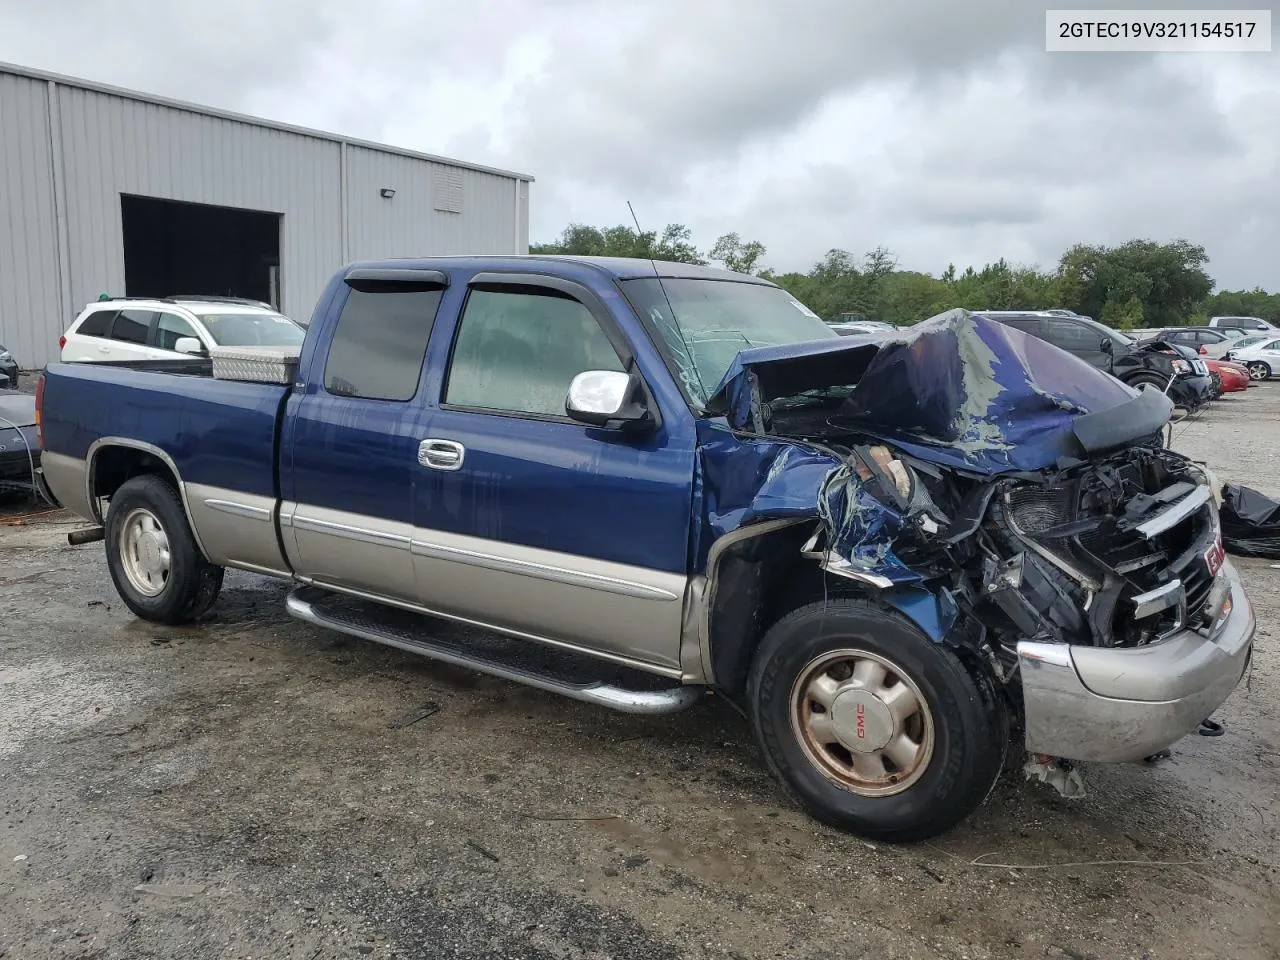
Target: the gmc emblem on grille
(1214, 557)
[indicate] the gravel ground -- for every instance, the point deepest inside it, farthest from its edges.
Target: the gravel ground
(254, 787)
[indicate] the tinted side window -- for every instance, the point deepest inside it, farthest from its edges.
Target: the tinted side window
(131, 326)
(169, 328)
(518, 349)
(97, 324)
(1071, 336)
(380, 341)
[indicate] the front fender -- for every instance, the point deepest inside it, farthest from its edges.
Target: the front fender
(933, 611)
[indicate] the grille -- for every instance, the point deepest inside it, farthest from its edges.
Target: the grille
(1036, 509)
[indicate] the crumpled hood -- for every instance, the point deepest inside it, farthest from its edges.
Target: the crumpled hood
(957, 389)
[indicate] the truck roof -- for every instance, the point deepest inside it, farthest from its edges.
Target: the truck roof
(619, 268)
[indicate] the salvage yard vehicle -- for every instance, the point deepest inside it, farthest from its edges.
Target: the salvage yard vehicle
(173, 328)
(653, 480)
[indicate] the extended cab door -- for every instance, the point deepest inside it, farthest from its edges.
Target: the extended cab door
(532, 522)
(349, 450)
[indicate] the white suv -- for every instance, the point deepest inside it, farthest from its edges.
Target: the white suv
(130, 328)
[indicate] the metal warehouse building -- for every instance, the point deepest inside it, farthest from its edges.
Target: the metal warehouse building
(104, 190)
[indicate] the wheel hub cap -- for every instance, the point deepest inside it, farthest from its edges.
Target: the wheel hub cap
(861, 721)
(144, 552)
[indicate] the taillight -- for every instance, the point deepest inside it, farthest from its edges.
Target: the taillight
(62, 343)
(40, 411)
(1203, 349)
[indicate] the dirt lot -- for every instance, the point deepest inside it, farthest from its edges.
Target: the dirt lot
(285, 792)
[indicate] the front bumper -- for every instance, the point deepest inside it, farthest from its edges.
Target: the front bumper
(1191, 392)
(1123, 704)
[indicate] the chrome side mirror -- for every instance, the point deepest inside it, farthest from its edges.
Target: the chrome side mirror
(604, 398)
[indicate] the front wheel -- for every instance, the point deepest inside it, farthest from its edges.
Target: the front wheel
(153, 557)
(870, 725)
(1258, 370)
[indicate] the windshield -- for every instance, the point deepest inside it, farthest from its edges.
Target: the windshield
(704, 324)
(252, 329)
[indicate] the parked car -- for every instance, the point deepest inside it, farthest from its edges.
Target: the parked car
(19, 444)
(8, 368)
(1232, 377)
(1206, 341)
(1261, 356)
(1151, 362)
(1243, 323)
(173, 328)
(656, 480)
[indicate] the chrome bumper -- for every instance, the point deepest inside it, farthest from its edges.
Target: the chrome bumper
(1114, 705)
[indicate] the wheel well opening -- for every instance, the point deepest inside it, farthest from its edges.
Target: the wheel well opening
(114, 466)
(757, 581)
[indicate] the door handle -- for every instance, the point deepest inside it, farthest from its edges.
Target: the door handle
(441, 454)
(104, 349)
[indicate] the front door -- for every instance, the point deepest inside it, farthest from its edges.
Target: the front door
(534, 523)
(350, 442)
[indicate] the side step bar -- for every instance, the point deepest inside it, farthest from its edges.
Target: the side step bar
(520, 661)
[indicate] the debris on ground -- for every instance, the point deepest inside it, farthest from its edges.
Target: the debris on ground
(428, 709)
(1056, 773)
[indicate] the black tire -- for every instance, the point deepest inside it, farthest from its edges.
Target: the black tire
(970, 726)
(191, 585)
(1150, 379)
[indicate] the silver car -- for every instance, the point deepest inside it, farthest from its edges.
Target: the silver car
(1260, 355)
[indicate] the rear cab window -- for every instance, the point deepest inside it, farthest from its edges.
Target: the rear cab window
(380, 340)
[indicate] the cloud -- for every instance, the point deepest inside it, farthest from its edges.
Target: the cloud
(941, 130)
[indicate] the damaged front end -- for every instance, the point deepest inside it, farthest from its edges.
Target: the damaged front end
(1015, 503)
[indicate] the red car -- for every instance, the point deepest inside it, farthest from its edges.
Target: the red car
(1234, 376)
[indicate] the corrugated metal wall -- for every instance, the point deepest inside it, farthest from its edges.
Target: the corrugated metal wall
(29, 277)
(72, 151)
(484, 216)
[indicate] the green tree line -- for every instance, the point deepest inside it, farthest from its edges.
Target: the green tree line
(1136, 284)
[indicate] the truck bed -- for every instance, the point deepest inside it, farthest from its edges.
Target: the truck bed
(219, 433)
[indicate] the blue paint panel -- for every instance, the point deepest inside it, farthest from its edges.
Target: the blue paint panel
(563, 487)
(218, 432)
(345, 453)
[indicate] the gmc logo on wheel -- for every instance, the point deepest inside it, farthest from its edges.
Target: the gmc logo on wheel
(862, 722)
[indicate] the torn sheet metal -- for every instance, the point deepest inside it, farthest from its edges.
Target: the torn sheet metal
(958, 390)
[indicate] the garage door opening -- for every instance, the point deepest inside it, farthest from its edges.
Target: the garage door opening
(176, 249)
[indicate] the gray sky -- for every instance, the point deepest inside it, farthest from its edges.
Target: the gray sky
(941, 130)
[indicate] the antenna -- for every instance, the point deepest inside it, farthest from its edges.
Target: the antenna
(670, 308)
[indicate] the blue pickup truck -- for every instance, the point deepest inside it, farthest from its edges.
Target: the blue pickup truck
(896, 554)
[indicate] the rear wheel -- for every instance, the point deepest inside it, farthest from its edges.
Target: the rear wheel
(870, 725)
(153, 557)
(1259, 370)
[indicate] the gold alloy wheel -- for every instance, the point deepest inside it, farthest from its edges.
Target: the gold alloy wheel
(862, 722)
